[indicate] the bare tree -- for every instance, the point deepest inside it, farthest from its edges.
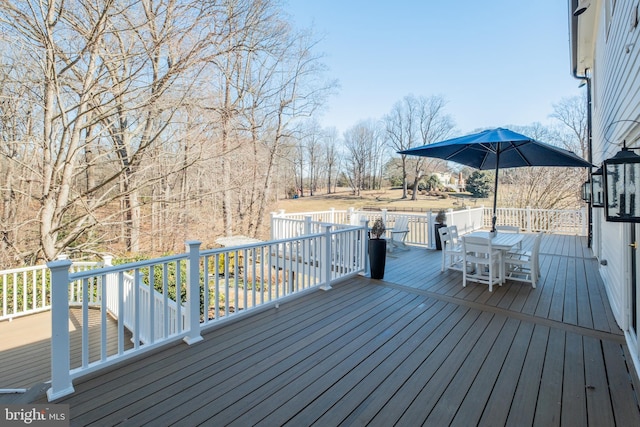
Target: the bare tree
(540, 187)
(413, 122)
(331, 157)
(288, 83)
(150, 107)
(572, 113)
(358, 141)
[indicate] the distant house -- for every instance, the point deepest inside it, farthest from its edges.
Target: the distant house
(451, 182)
(605, 47)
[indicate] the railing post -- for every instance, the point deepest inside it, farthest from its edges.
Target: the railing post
(431, 239)
(384, 216)
(364, 250)
(307, 226)
(107, 260)
(583, 220)
(326, 258)
(350, 214)
(193, 292)
(272, 231)
(529, 219)
(332, 215)
(61, 384)
(449, 214)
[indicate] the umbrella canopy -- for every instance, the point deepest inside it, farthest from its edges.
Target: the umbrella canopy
(498, 149)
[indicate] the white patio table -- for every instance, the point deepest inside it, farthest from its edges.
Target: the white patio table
(501, 241)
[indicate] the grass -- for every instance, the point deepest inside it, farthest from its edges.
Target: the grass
(390, 198)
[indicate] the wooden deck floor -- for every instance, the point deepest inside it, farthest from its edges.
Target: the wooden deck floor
(25, 347)
(414, 349)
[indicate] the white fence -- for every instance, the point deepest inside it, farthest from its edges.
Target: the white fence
(128, 291)
(559, 221)
(27, 290)
(421, 229)
(211, 286)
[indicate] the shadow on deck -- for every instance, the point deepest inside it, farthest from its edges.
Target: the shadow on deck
(415, 348)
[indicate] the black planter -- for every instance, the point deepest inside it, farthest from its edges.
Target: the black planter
(377, 257)
(437, 227)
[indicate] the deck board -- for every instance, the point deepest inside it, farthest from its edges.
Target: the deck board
(573, 381)
(522, 409)
(550, 394)
(496, 409)
(471, 408)
(414, 348)
(599, 409)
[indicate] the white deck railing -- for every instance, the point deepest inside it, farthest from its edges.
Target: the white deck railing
(203, 288)
(421, 229)
(127, 292)
(27, 290)
(560, 221)
(213, 286)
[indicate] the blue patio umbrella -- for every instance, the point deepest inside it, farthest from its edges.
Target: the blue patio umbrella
(498, 149)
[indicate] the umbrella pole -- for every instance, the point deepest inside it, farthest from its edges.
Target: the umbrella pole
(495, 192)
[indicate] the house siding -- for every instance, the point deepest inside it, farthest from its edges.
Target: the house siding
(613, 273)
(615, 118)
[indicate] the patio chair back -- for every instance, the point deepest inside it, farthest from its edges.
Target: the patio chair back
(483, 263)
(400, 229)
(451, 248)
(524, 266)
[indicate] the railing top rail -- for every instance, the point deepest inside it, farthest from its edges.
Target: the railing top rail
(128, 266)
(24, 269)
(280, 241)
(310, 213)
(304, 221)
(44, 267)
(538, 209)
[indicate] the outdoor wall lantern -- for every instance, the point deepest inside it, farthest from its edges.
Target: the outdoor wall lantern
(597, 198)
(586, 191)
(622, 183)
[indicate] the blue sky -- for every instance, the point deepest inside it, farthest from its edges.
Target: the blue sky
(495, 62)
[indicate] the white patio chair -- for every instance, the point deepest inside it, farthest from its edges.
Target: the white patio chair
(488, 267)
(524, 266)
(453, 231)
(509, 229)
(451, 249)
(399, 232)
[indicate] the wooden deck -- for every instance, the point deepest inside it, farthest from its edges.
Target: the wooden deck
(25, 347)
(416, 348)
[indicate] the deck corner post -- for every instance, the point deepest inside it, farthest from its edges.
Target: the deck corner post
(61, 384)
(326, 258)
(193, 292)
(364, 250)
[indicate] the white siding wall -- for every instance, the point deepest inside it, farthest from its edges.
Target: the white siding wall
(616, 109)
(613, 274)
